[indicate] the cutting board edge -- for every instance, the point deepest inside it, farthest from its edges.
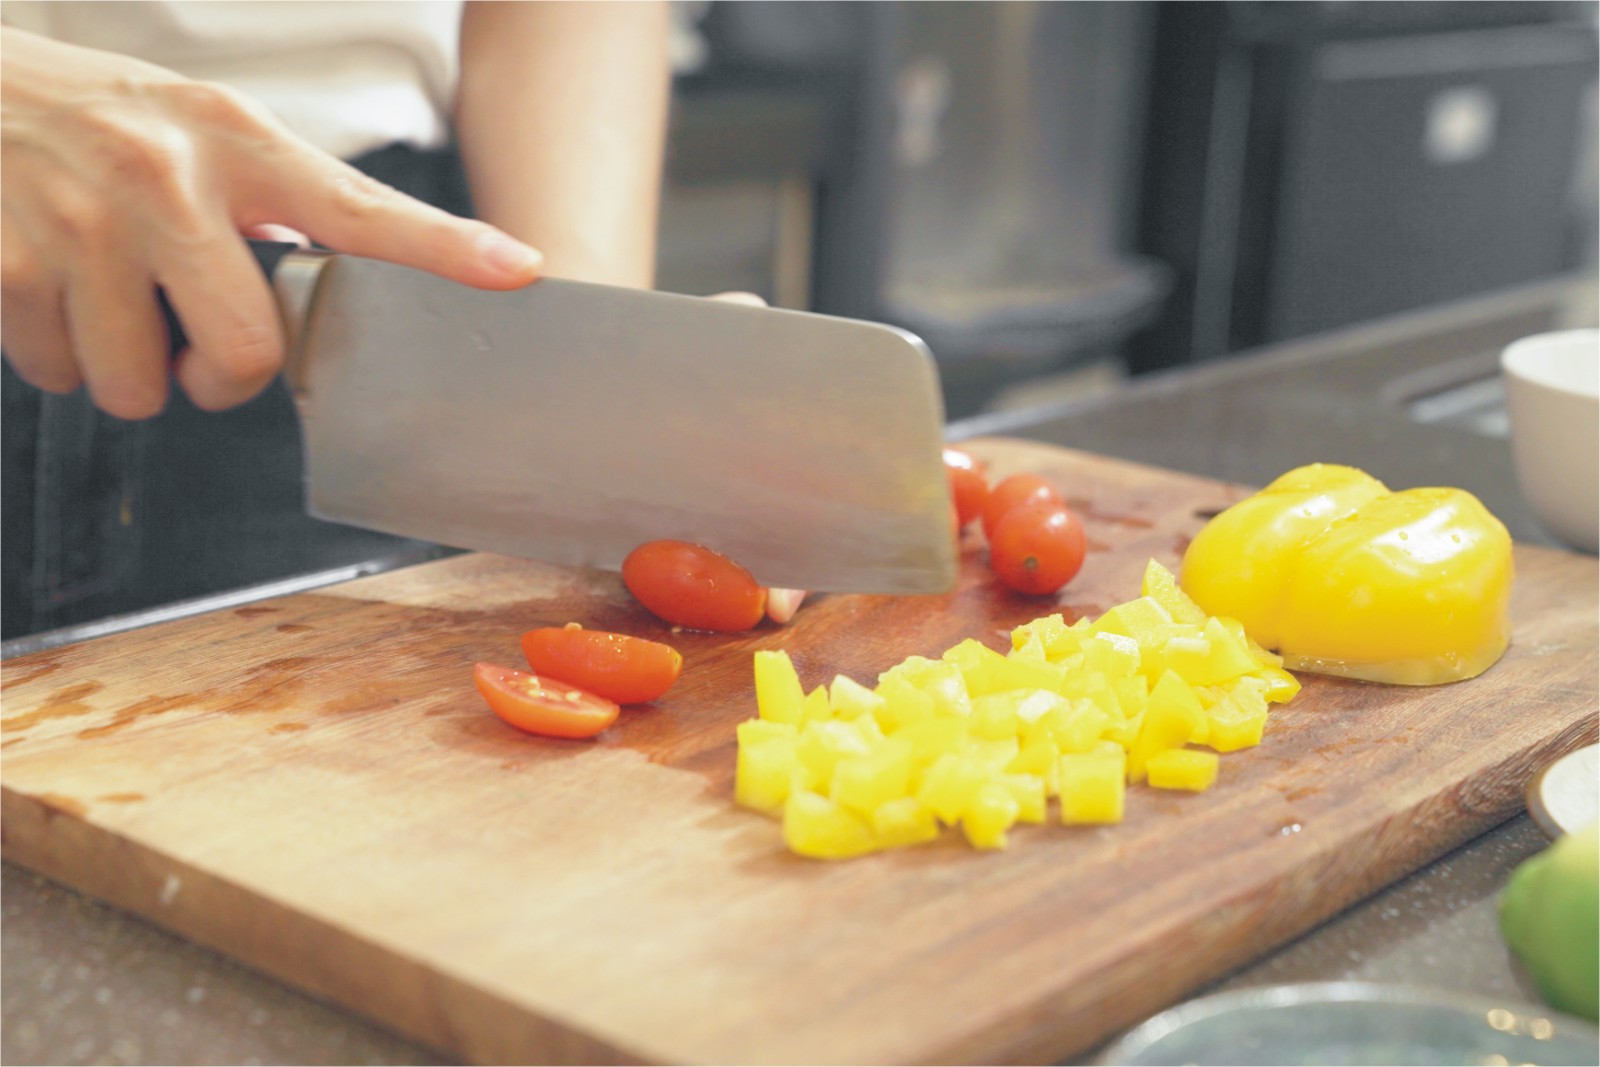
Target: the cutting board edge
(447, 1014)
(457, 1017)
(1383, 856)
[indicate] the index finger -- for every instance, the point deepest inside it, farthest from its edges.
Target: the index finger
(346, 210)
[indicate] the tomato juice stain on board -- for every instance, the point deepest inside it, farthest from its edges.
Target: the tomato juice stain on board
(251, 611)
(1088, 511)
(121, 798)
(293, 628)
(32, 672)
(131, 713)
(64, 703)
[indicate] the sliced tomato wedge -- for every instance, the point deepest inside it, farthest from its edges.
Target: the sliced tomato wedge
(628, 670)
(542, 705)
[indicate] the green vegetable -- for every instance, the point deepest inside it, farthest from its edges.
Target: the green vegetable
(1550, 916)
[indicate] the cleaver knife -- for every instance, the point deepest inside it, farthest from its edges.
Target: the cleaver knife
(570, 422)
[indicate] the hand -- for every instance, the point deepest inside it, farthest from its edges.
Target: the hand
(120, 176)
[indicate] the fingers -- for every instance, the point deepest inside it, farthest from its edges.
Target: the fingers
(118, 337)
(350, 212)
(227, 310)
(33, 322)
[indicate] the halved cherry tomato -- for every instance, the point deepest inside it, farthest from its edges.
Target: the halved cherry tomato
(690, 585)
(541, 705)
(1014, 491)
(628, 670)
(1037, 548)
(969, 484)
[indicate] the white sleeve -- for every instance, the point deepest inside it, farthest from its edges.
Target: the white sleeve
(347, 76)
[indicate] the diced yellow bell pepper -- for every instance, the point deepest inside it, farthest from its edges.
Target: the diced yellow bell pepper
(991, 812)
(903, 704)
(1059, 639)
(995, 716)
(986, 671)
(1029, 793)
(1142, 619)
(821, 745)
(1037, 759)
(950, 784)
(1232, 725)
(1111, 655)
(756, 731)
(764, 773)
(1172, 719)
(1160, 585)
(939, 679)
(904, 821)
(849, 699)
(934, 737)
(778, 691)
(993, 755)
(815, 707)
(1211, 656)
(984, 739)
(1093, 786)
(820, 828)
(866, 782)
(1182, 768)
(1077, 725)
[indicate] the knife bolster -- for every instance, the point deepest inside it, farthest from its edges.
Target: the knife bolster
(294, 285)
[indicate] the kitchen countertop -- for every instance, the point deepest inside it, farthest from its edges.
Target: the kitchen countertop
(1408, 399)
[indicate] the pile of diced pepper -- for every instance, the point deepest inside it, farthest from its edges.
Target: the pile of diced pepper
(983, 740)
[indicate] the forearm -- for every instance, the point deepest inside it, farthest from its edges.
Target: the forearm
(561, 117)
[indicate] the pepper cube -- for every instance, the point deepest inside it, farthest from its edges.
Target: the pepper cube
(1093, 786)
(1182, 768)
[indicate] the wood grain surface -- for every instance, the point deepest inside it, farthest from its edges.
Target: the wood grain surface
(311, 785)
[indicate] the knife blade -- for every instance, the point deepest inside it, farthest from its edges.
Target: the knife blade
(569, 422)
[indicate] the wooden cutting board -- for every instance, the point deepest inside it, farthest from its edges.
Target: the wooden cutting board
(311, 785)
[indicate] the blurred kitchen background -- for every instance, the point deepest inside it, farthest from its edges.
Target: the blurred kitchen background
(1059, 195)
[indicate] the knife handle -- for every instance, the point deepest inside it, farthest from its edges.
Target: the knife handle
(268, 254)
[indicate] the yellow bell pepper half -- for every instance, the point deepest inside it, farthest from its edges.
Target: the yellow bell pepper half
(1343, 577)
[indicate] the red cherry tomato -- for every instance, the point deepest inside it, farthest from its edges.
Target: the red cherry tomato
(540, 705)
(969, 484)
(1013, 492)
(1037, 548)
(691, 586)
(628, 670)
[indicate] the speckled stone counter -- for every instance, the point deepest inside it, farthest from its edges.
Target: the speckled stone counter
(85, 983)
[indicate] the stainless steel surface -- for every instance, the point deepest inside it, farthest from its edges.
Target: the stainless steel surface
(85, 983)
(571, 422)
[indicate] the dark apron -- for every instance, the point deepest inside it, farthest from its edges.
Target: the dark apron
(102, 516)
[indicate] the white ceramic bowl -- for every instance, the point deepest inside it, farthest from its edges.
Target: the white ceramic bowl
(1553, 396)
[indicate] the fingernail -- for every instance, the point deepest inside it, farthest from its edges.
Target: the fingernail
(508, 255)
